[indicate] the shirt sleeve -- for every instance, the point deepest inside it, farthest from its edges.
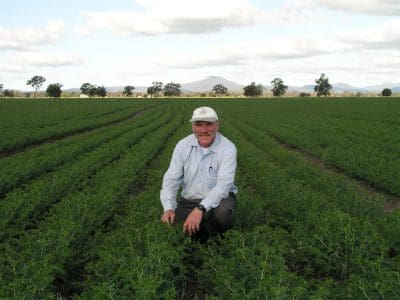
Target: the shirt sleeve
(225, 179)
(172, 179)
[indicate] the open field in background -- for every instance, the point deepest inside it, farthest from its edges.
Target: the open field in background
(319, 188)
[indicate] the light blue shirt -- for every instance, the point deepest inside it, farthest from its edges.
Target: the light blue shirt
(203, 173)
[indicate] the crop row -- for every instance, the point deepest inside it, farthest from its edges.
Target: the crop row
(372, 160)
(29, 129)
(22, 167)
(27, 204)
(43, 256)
(301, 231)
(294, 241)
(141, 258)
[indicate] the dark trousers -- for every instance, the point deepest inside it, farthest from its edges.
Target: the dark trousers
(215, 221)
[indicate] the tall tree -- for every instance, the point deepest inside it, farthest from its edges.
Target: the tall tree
(220, 89)
(101, 91)
(155, 88)
(323, 87)
(172, 89)
(128, 90)
(386, 92)
(36, 82)
(8, 93)
(253, 90)
(88, 89)
(278, 88)
(1, 86)
(54, 90)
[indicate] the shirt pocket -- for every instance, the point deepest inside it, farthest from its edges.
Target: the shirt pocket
(212, 177)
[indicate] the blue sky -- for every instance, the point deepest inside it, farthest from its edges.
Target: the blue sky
(121, 42)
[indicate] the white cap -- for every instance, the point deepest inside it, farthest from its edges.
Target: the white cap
(204, 113)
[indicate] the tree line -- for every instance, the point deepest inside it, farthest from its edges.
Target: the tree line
(322, 88)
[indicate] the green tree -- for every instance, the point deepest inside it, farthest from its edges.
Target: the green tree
(278, 88)
(1, 88)
(101, 91)
(303, 94)
(85, 88)
(88, 89)
(36, 82)
(323, 86)
(8, 93)
(155, 88)
(172, 89)
(386, 92)
(128, 90)
(54, 90)
(220, 89)
(253, 90)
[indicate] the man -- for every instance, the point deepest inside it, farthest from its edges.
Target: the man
(204, 165)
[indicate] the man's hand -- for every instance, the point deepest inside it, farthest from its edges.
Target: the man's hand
(168, 217)
(192, 223)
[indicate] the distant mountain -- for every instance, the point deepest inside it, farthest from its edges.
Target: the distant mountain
(207, 85)
(302, 89)
(395, 87)
(344, 87)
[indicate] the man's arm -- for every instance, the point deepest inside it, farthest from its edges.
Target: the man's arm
(171, 182)
(225, 179)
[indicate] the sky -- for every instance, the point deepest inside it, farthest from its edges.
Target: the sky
(136, 42)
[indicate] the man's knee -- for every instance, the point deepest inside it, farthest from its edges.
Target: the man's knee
(222, 217)
(222, 220)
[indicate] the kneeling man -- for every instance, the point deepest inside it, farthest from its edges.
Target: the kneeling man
(204, 165)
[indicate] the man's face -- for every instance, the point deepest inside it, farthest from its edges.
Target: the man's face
(205, 132)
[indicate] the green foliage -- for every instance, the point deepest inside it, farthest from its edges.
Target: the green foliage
(303, 94)
(8, 93)
(87, 88)
(386, 92)
(253, 90)
(128, 90)
(93, 90)
(250, 265)
(36, 82)
(80, 217)
(323, 87)
(155, 88)
(45, 119)
(172, 89)
(54, 90)
(278, 88)
(101, 91)
(220, 89)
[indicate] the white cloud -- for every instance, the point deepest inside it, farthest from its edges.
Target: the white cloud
(353, 56)
(375, 7)
(175, 17)
(21, 61)
(43, 59)
(387, 35)
(23, 39)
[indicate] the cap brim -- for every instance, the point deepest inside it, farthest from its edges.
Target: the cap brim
(212, 120)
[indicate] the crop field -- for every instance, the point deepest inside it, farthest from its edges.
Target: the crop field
(318, 203)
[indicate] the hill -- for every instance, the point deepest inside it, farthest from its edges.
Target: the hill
(208, 83)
